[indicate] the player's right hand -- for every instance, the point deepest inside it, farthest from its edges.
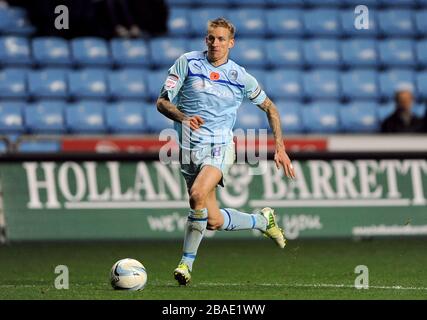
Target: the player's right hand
(195, 122)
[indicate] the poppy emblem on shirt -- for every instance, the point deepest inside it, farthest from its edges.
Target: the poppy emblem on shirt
(214, 76)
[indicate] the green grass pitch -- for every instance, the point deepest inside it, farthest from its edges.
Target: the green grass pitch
(254, 269)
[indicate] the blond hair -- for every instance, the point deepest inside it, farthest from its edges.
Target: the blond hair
(222, 22)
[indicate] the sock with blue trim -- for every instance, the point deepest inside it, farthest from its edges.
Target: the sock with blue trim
(194, 231)
(236, 220)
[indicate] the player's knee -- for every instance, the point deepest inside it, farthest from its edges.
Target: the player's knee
(197, 198)
(214, 224)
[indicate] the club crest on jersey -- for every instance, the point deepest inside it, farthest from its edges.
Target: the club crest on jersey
(216, 151)
(171, 81)
(232, 74)
(214, 75)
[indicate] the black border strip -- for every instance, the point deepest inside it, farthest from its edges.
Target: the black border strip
(154, 156)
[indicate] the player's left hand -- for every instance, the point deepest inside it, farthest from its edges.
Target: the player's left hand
(282, 160)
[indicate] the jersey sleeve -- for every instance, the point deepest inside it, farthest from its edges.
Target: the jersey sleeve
(175, 79)
(253, 90)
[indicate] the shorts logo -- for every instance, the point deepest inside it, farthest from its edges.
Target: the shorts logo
(171, 81)
(214, 75)
(232, 74)
(216, 151)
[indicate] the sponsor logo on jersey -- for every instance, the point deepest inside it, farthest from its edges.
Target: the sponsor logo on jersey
(171, 81)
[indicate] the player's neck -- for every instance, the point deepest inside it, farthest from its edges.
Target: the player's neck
(218, 62)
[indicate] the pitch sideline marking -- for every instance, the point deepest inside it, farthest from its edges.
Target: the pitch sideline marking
(297, 285)
(314, 285)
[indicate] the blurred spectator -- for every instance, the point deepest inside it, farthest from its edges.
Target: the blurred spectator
(425, 119)
(98, 18)
(402, 120)
(123, 19)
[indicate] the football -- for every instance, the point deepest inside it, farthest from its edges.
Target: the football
(128, 274)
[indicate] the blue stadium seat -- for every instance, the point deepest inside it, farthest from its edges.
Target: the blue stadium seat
(3, 147)
(178, 21)
(421, 22)
(359, 117)
(422, 3)
(16, 22)
(125, 117)
(389, 3)
(421, 79)
(421, 49)
(249, 21)
(369, 3)
(39, 146)
(155, 121)
(13, 83)
(290, 116)
(322, 22)
(260, 75)
(285, 2)
(285, 52)
(51, 51)
(249, 52)
(321, 117)
(127, 52)
(156, 79)
(88, 51)
(5, 19)
(88, 83)
(360, 84)
(419, 110)
(384, 110)
(14, 50)
(284, 83)
(197, 44)
(242, 3)
(394, 80)
(397, 53)
(316, 3)
(359, 52)
(285, 22)
(221, 3)
(164, 51)
(85, 117)
(45, 117)
(322, 52)
(11, 117)
(199, 18)
(249, 116)
(128, 84)
(348, 19)
(48, 83)
(322, 83)
(180, 2)
(396, 22)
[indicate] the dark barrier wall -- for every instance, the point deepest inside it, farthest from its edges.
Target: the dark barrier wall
(117, 199)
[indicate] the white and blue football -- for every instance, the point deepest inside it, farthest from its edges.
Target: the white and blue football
(128, 274)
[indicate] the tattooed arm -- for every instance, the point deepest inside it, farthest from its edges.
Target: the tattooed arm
(168, 109)
(280, 156)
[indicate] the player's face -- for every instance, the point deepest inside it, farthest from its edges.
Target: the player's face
(219, 43)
